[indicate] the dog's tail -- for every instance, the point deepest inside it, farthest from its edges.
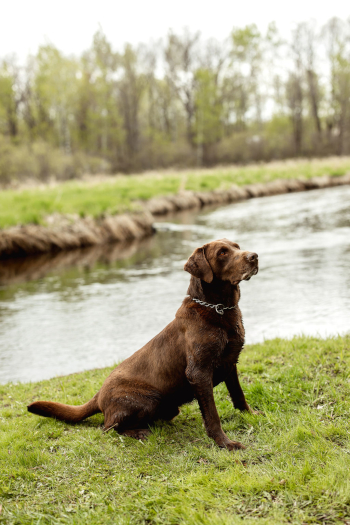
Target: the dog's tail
(69, 413)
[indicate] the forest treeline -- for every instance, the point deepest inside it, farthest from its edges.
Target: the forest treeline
(182, 101)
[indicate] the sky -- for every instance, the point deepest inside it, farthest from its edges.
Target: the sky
(70, 24)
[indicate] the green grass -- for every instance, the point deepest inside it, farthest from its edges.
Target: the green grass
(295, 468)
(121, 193)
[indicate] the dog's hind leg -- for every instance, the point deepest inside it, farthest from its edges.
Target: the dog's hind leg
(168, 412)
(130, 413)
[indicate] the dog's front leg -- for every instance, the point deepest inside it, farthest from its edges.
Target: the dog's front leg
(236, 392)
(202, 385)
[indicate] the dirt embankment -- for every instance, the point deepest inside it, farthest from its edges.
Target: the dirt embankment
(65, 234)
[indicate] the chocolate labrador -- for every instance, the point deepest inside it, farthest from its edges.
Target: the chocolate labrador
(198, 350)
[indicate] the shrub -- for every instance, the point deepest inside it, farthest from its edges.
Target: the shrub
(42, 162)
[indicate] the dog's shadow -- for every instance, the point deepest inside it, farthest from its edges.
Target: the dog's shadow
(182, 429)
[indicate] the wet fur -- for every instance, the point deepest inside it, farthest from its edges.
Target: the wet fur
(198, 350)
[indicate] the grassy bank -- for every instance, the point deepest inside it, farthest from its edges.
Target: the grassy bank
(295, 468)
(117, 194)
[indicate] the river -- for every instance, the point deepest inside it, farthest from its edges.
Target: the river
(95, 307)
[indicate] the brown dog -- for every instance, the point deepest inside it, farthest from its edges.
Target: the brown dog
(194, 353)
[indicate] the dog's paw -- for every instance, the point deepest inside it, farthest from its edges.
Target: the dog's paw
(225, 442)
(254, 412)
(257, 412)
(138, 433)
(234, 445)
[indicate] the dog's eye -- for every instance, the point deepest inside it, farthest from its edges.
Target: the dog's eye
(222, 252)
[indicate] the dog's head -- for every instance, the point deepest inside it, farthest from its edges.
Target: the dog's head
(225, 260)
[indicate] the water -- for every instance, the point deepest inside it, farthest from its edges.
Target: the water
(95, 307)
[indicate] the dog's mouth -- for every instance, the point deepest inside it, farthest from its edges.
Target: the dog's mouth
(248, 275)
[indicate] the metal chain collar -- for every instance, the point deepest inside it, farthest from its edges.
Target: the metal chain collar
(219, 308)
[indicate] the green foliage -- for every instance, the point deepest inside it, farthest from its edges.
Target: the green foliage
(208, 108)
(55, 89)
(44, 163)
(246, 43)
(294, 469)
(8, 101)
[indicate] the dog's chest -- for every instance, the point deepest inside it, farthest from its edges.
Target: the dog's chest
(228, 358)
(235, 329)
(235, 342)
(228, 346)
(231, 353)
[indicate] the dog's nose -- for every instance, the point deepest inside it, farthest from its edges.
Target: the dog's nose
(252, 257)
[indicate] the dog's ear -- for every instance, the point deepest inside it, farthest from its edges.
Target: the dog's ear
(198, 266)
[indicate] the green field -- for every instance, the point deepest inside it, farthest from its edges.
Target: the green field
(121, 193)
(295, 468)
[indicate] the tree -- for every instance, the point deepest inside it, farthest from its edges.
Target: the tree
(182, 61)
(99, 121)
(207, 126)
(295, 90)
(55, 90)
(337, 33)
(10, 97)
(246, 63)
(130, 87)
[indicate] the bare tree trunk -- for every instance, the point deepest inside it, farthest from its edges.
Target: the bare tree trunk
(12, 121)
(295, 101)
(313, 93)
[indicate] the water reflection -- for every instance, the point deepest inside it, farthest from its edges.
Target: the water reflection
(93, 307)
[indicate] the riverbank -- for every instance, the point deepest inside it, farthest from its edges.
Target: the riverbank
(295, 468)
(79, 214)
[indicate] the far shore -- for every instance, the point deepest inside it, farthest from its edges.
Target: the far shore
(71, 215)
